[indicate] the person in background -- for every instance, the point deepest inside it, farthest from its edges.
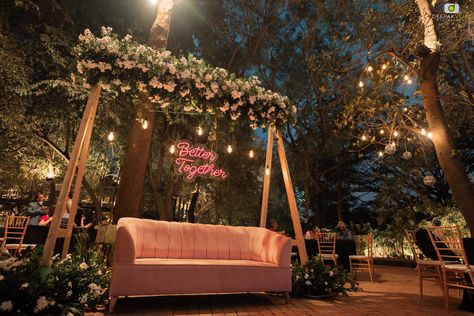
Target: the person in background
(45, 220)
(35, 210)
(273, 225)
(65, 218)
(342, 231)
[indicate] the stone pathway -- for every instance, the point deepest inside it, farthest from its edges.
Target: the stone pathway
(395, 293)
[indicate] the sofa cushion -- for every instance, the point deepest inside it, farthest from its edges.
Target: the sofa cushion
(203, 262)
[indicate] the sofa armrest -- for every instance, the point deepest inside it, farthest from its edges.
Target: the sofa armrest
(279, 250)
(124, 246)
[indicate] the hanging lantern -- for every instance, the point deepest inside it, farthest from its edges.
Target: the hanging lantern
(380, 153)
(364, 138)
(370, 68)
(406, 155)
(199, 131)
(229, 149)
(390, 149)
(429, 181)
(361, 84)
(384, 66)
(50, 174)
(172, 149)
(111, 136)
(251, 154)
(145, 124)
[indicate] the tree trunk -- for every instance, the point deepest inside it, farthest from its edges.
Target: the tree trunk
(132, 179)
(454, 171)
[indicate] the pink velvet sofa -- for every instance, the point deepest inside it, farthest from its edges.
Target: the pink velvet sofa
(157, 257)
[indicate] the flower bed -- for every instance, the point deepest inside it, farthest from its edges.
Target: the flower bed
(316, 280)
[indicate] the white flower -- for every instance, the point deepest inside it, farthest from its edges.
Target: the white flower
(184, 93)
(297, 277)
(306, 276)
(325, 283)
(83, 266)
(69, 293)
(172, 69)
(331, 273)
(185, 74)
(83, 299)
(155, 83)
(169, 86)
(236, 94)
(69, 284)
(41, 303)
(6, 306)
(308, 283)
(207, 77)
(199, 85)
(24, 286)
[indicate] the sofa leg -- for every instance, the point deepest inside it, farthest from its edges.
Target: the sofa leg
(112, 302)
(287, 296)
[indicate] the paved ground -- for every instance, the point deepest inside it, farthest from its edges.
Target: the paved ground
(395, 293)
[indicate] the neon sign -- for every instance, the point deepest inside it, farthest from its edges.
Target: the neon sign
(194, 161)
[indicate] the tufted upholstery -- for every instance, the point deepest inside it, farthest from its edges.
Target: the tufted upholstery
(156, 257)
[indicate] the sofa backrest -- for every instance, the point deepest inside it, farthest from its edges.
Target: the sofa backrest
(160, 239)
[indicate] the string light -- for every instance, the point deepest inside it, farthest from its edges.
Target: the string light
(364, 138)
(361, 84)
(229, 149)
(405, 109)
(111, 136)
(145, 124)
(384, 66)
(423, 132)
(251, 154)
(406, 77)
(154, 2)
(430, 135)
(409, 81)
(267, 171)
(382, 132)
(395, 134)
(199, 131)
(172, 149)
(370, 68)
(380, 153)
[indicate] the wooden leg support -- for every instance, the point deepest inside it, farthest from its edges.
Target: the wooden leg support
(112, 302)
(287, 296)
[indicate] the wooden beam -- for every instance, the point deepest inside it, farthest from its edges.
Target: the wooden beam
(266, 177)
(78, 185)
(89, 114)
(295, 218)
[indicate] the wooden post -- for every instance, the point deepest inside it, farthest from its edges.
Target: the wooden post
(87, 118)
(266, 178)
(77, 187)
(295, 218)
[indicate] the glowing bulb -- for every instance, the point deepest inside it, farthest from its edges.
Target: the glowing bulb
(251, 154)
(409, 81)
(50, 174)
(154, 2)
(382, 132)
(364, 138)
(406, 77)
(267, 171)
(199, 131)
(423, 132)
(172, 149)
(395, 134)
(384, 66)
(430, 135)
(370, 68)
(361, 84)
(145, 124)
(380, 153)
(111, 137)
(405, 109)
(229, 149)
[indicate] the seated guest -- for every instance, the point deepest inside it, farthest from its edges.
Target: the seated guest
(36, 209)
(342, 231)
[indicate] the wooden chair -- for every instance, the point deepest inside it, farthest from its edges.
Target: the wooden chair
(15, 229)
(447, 241)
(327, 246)
(363, 260)
(428, 269)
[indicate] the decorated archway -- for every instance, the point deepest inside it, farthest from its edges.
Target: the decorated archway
(157, 78)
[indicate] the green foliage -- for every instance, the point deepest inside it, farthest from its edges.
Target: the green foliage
(71, 285)
(316, 279)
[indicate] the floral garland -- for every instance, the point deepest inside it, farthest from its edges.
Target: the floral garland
(176, 84)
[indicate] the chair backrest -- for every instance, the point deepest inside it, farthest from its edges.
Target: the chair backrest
(448, 244)
(326, 242)
(15, 228)
(411, 238)
(363, 243)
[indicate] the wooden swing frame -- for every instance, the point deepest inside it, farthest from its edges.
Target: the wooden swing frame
(77, 164)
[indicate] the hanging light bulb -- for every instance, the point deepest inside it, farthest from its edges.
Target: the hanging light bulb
(154, 2)
(406, 77)
(409, 81)
(370, 68)
(172, 149)
(395, 134)
(405, 109)
(111, 136)
(380, 153)
(429, 135)
(229, 149)
(267, 171)
(361, 84)
(364, 138)
(384, 66)
(423, 132)
(199, 131)
(251, 154)
(145, 124)
(382, 132)
(50, 174)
